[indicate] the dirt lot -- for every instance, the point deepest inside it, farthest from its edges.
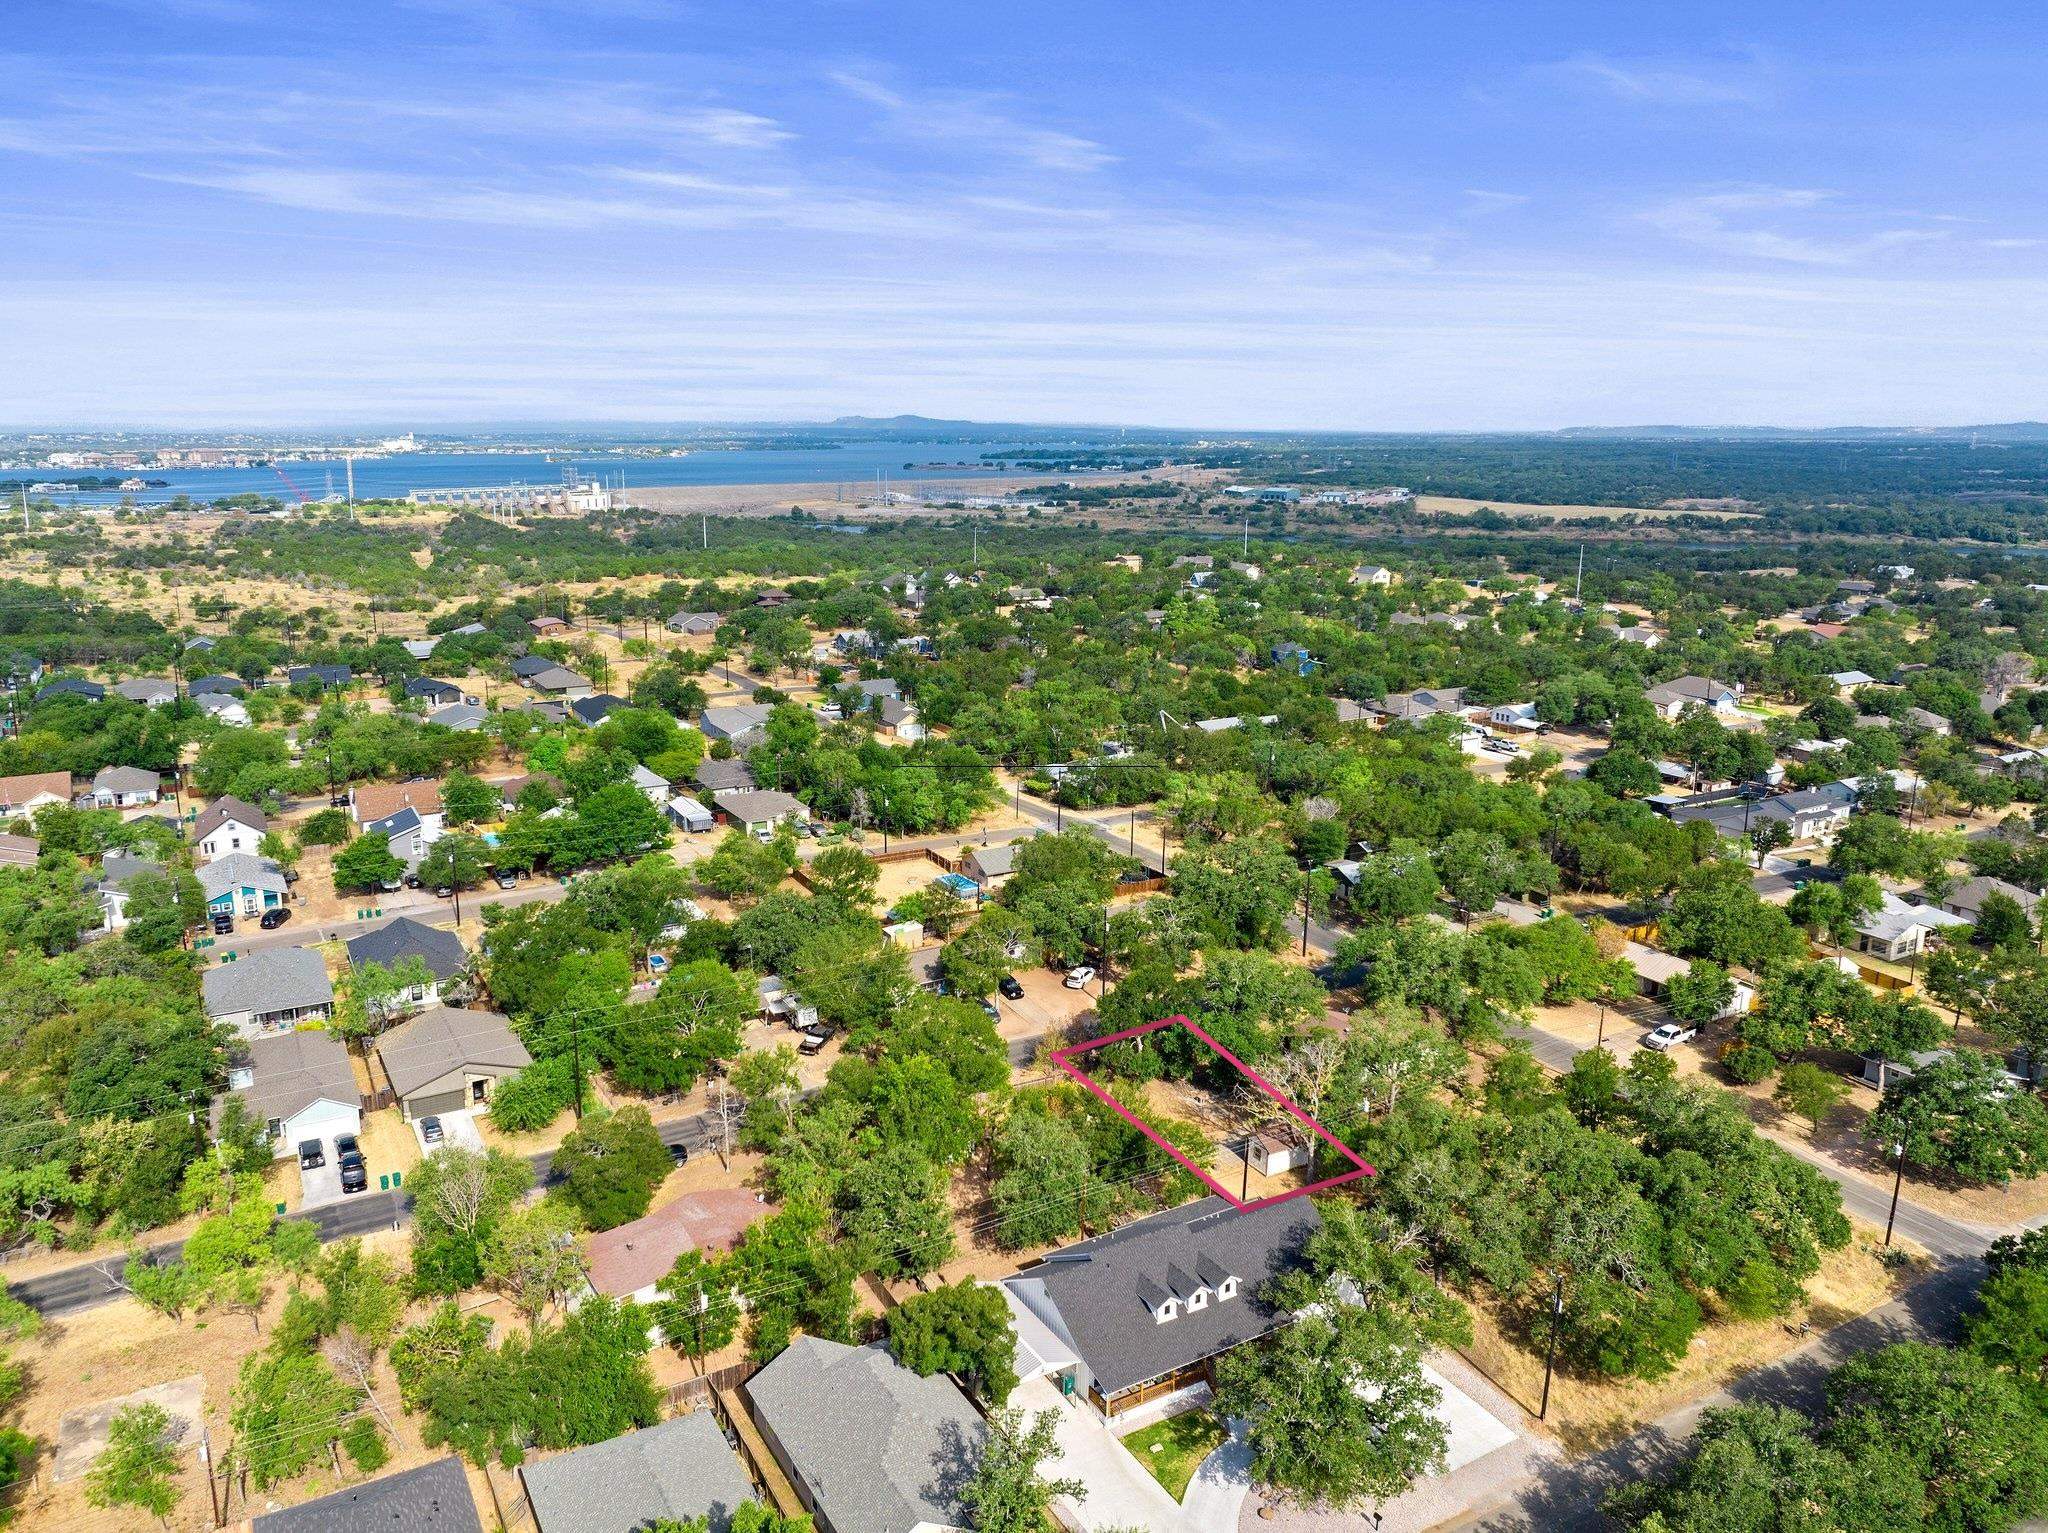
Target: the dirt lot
(1451, 505)
(1588, 1413)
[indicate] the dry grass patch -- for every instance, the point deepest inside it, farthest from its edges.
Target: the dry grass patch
(1588, 1413)
(1452, 505)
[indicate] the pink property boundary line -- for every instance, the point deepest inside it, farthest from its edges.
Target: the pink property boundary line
(1063, 1058)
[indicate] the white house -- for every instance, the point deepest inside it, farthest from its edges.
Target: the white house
(298, 1086)
(654, 786)
(228, 825)
(1683, 693)
(1514, 715)
(124, 787)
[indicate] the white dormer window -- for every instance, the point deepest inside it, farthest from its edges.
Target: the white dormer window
(1227, 1289)
(1166, 1311)
(1199, 1299)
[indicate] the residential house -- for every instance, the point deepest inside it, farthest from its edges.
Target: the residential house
(758, 811)
(689, 813)
(1639, 634)
(328, 678)
(374, 803)
(298, 1086)
(1897, 930)
(395, 941)
(773, 598)
(526, 667)
(1514, 716)
(1968, 897)
(72, 686)
(630, 1261)
(1290, 656)
(1146, 1310)
(271, 990)
(744, 724)
(1933, 723)
(1231, 721)
(1414, 707)
(224, 707)
(545, 624)
(990, 865)
(1846, 681)
(150, 691)
(124, 787)
(1192, 562)
(593, 710)
(24, 795)
(879, 687)
(1806, 750)
(869, 1446)
(207, 686)
(467, 631)
(20, 670)
(405, 835)
(19, 851)
(1674, 697)
(113, 883)
(693, 622)
(652, 784)
(228, 825)
(419, 649)
(899, 719)
(713, 775)
(463, 716)
(1372, 575)
(242, 884)
(1349, 712)
(679, 1471)
(433, 1498)
(432, 691)
(448, 1059)
(1810, 814)
(1656, 969)
(559, 683)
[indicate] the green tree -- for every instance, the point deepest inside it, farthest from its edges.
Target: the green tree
(959, 1328)
(698, 1312)
(1008, 1492)
(894, 1206)
(139, 1466)
(976, 960)
(532, 1258)
(846, 874)
(1959, 1114)
(611, 1166)
(454, 862)
(1810, 1091)
(466, 800)
(367, 863)
(1701, 994)
(288, 1407)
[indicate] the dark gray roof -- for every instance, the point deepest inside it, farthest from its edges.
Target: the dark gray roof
(680, 1469)
(221, 810)
(216, 683)
(325, 675)
(532, 665)
(1106, 1288)
(294, 1070)
(714, 775)
(431, 686)
(439, 1042)
(594, 708)
(434, 1498)
(127, 779)
(881, 1449)
(270, 979)
(443, 950)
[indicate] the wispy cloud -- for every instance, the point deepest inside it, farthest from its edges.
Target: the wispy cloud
(1668, 83)
(1480, 201)
(981, 122)
(1752, 222)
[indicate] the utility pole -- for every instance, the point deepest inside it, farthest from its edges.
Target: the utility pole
(1898, 1176)
(576, 1048)
(1550, 1361)
(1579, 585)
(350, 463)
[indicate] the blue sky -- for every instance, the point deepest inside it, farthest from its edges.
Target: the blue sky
(1334, 216)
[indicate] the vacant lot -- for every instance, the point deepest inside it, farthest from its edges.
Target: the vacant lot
(1451, 505)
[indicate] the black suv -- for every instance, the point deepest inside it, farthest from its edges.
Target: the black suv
(274, 918)
(1011, 987)
(311, 1155)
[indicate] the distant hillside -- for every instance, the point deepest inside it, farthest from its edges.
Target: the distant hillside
(2012, 431)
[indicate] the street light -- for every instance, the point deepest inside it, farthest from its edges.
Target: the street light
(1898, 1176)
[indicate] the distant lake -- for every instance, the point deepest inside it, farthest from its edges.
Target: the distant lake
(854, 464)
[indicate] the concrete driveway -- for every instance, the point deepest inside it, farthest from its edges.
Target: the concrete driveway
(456, 1128)
(1121, 1492)
(322, 1183)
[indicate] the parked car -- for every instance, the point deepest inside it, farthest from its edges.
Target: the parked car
(679, 1153)
(990, 1008)
(430, 1130)
(1670, 1035)
(223, 923)
(814, 1041)
(355, 1176)
(312, 1155)
(412, 880)
(273, 919)
(1077, 978)
(347, 1148)
(444, 891)
(1011, 987)
(506, 880)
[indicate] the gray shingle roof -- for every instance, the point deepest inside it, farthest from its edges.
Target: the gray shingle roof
(713, 774)
(270, 979)
(680, 1469)
(126, 779)
(443, 950)
(1106, 1288)
(434, 1498)
(295, 1070)
(240, 870)
(448, 1038)
(221, 810)
(880, 1449)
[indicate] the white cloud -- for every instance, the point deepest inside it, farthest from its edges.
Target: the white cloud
(1751, 222)
(1668, 84)
(975, 121)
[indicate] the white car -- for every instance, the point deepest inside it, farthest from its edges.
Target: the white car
(1076, 978)
(1669, 1035)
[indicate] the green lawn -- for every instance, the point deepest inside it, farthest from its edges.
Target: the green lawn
(1174, 1448)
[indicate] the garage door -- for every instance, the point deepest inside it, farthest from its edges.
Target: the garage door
(436, 1102)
